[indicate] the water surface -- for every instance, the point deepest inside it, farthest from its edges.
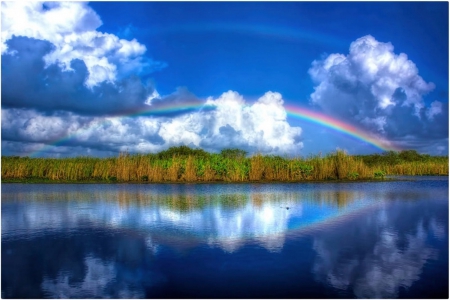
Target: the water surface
(311, 240)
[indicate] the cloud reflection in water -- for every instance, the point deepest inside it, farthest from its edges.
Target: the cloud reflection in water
(384, 259)
(362, 240)
(224, 220)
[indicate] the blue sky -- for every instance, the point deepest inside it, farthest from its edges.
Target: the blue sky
(381, 67)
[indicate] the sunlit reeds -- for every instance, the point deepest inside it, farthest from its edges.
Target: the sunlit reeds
(193, 165)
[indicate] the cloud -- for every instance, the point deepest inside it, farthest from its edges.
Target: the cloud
(53, 58)
(374, 88)
(261, 126)
(71, 28)
(228, 122)
(28, 83)
(176, 103)
(67, 129)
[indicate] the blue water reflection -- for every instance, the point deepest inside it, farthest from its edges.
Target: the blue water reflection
(366, 240)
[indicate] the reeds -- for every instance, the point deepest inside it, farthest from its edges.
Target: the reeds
(192, 165)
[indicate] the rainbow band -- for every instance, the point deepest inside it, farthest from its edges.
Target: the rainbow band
(338, 125)
(304, 114)
(292, 111)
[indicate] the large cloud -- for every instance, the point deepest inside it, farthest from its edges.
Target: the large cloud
(381, 91)
(53, 58)
(71, 28)
(228, 122)
(261, 126)
(27, 82)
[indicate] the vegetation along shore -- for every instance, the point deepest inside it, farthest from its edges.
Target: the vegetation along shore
(184, 164)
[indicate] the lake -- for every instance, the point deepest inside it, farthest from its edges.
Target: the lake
(309, 240)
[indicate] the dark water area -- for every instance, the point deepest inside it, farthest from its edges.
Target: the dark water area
(312, 240)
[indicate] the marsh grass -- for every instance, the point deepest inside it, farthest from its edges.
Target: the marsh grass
(182, 164)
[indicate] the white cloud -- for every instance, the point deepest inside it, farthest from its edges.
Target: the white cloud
(373, 65)
(37, 127)
(377, 89)
(434, 109)
(71, 28)
(261, 127)
(184, 129)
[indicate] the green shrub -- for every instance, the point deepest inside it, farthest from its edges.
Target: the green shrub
(379, 174)
(233, 153)
(353, 175)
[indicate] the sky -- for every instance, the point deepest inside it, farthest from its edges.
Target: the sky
(289, 78)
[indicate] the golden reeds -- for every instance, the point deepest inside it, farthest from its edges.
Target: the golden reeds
(202, 166)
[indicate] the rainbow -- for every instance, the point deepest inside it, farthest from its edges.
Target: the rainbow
(296, 112)
(338, 125)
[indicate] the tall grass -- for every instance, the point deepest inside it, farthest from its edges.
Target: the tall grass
(407, 162)
(182, 164)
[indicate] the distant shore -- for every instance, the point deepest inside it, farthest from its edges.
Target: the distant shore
(48, 181)
(184, 164)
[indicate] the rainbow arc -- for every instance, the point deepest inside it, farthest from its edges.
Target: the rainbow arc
(296, 112)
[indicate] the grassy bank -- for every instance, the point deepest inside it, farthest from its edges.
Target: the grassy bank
(183, 164)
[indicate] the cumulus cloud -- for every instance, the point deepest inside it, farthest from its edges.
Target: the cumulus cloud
(71, 28)
(261, 126)
(229, 121)
(67, 129)
(379, 90)
(53, 58)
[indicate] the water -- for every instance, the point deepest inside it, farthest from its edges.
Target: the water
(336, 240)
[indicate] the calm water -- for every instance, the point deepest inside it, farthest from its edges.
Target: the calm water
(336, 240)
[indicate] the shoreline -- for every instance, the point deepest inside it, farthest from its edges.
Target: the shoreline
(388, 178)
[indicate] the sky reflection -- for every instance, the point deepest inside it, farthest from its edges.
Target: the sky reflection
(385, 257)
(223, 220)
(370, 240)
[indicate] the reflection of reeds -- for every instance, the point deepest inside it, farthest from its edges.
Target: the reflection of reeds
(186, 199)
(335, 197)
(257, 199)
(216, 167)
